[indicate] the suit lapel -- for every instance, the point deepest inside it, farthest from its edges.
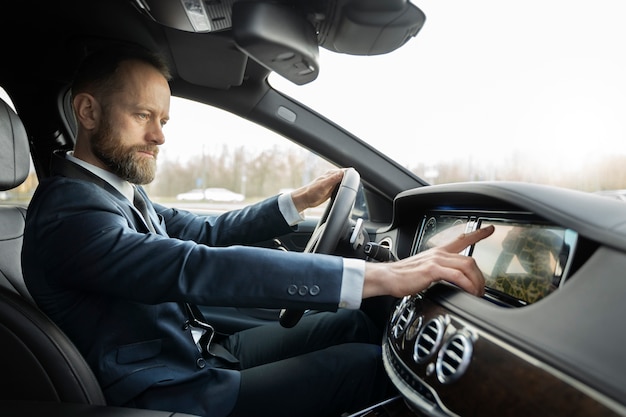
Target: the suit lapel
(61, 166)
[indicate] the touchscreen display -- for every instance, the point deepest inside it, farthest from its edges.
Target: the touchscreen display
(523, 261)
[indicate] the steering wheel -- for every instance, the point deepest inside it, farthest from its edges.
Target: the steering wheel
(331, 226)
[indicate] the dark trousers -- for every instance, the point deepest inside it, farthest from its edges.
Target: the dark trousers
(328, 364)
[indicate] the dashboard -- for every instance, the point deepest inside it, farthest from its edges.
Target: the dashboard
(546, 339)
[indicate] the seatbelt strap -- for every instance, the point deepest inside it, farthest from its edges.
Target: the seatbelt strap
(205, 342)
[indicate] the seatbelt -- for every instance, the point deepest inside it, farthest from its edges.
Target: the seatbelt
(204, 343)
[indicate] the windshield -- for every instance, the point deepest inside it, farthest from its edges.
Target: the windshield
(491, 90)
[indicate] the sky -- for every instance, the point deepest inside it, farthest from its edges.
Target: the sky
(490, 76)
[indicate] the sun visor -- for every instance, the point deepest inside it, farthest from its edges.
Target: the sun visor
(279, 37)
(284, 36)
(201, 68)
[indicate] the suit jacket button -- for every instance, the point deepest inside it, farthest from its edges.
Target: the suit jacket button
(292, 289)
(200, 363)
(314, 290)
(303, 290)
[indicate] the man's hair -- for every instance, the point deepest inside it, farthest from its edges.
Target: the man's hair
(97, 74)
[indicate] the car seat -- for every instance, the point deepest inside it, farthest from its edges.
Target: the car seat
(38, 361)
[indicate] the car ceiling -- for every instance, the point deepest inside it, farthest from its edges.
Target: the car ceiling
(64, 31)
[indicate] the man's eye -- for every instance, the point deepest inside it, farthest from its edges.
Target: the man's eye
(163, 123)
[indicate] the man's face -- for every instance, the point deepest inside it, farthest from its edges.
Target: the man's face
(131, 123)
(123, 160)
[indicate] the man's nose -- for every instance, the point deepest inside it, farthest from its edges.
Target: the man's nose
(156, 134)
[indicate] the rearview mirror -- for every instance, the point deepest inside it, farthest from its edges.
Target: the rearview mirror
(278, 37)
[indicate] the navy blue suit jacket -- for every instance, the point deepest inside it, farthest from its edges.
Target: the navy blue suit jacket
(118, 291)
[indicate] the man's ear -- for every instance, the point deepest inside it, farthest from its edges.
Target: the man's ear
(87, 110)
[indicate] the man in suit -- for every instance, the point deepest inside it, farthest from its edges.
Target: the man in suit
(121, 283)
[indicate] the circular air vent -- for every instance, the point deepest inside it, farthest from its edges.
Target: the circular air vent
(399, 309)
(454, 357)
(414, 327)
(429, 339)
(403, 318)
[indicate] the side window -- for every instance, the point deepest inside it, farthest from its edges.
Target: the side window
(22, 194)
(215, 161)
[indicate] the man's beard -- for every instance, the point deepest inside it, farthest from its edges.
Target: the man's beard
(124, 161)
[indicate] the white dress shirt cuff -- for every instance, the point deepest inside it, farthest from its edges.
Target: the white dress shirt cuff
(288, 210)
(352, 283)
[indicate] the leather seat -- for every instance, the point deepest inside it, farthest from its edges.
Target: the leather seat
(38, 362)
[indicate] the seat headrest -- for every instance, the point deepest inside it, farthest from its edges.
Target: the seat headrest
(14, 150)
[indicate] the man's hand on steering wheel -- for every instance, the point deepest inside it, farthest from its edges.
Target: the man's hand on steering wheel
(318, 191)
